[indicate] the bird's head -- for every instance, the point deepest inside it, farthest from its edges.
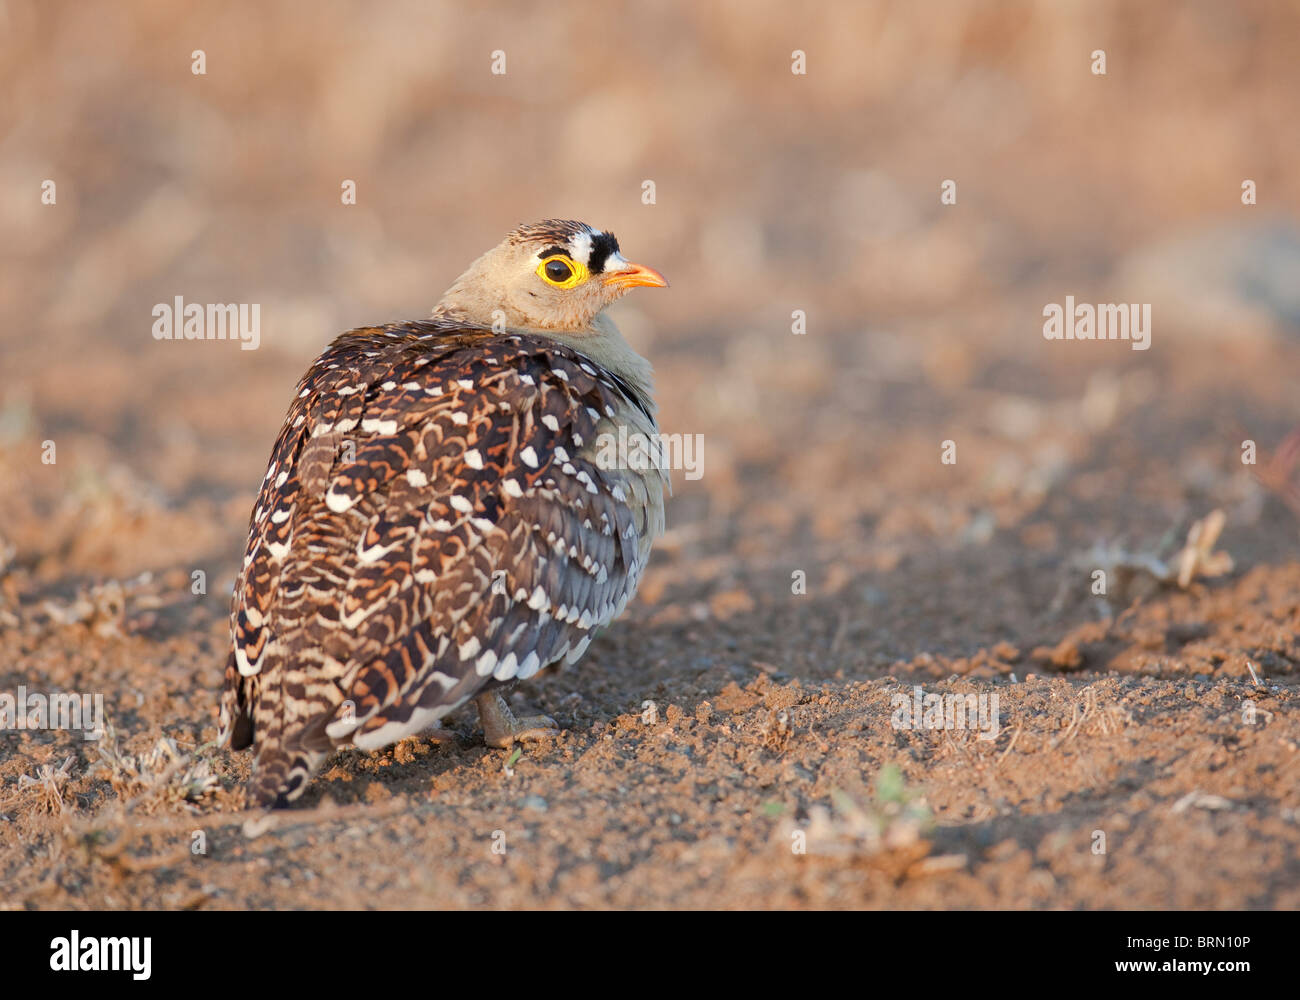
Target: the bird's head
(556, 275)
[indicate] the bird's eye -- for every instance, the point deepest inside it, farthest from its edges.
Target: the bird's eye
(561, 271)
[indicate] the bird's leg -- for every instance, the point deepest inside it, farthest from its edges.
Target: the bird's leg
(501, 728)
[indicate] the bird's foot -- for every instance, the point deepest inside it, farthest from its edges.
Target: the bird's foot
(501, 728)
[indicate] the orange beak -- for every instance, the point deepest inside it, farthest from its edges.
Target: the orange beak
(634, 275)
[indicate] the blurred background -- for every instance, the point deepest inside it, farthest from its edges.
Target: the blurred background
(774, 192)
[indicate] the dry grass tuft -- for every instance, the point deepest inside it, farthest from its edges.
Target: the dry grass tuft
(46, 788)
(164, 777)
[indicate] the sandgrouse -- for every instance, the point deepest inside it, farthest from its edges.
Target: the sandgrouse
(438, 520)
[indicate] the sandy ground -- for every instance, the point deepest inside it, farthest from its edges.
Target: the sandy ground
(733, 740)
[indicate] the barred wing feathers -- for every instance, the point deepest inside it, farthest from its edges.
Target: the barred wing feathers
(433, 522)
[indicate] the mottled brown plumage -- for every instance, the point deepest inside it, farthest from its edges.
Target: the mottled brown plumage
(435, 524)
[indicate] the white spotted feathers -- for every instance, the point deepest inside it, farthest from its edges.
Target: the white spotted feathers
(432, 524)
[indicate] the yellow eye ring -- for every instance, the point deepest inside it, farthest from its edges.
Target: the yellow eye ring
(561, 271)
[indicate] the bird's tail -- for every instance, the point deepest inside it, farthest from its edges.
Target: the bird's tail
(280, 773)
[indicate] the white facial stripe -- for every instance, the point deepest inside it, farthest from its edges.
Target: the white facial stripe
(615, 262)
(581, 247)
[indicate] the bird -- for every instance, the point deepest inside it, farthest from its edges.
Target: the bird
(445, 513)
